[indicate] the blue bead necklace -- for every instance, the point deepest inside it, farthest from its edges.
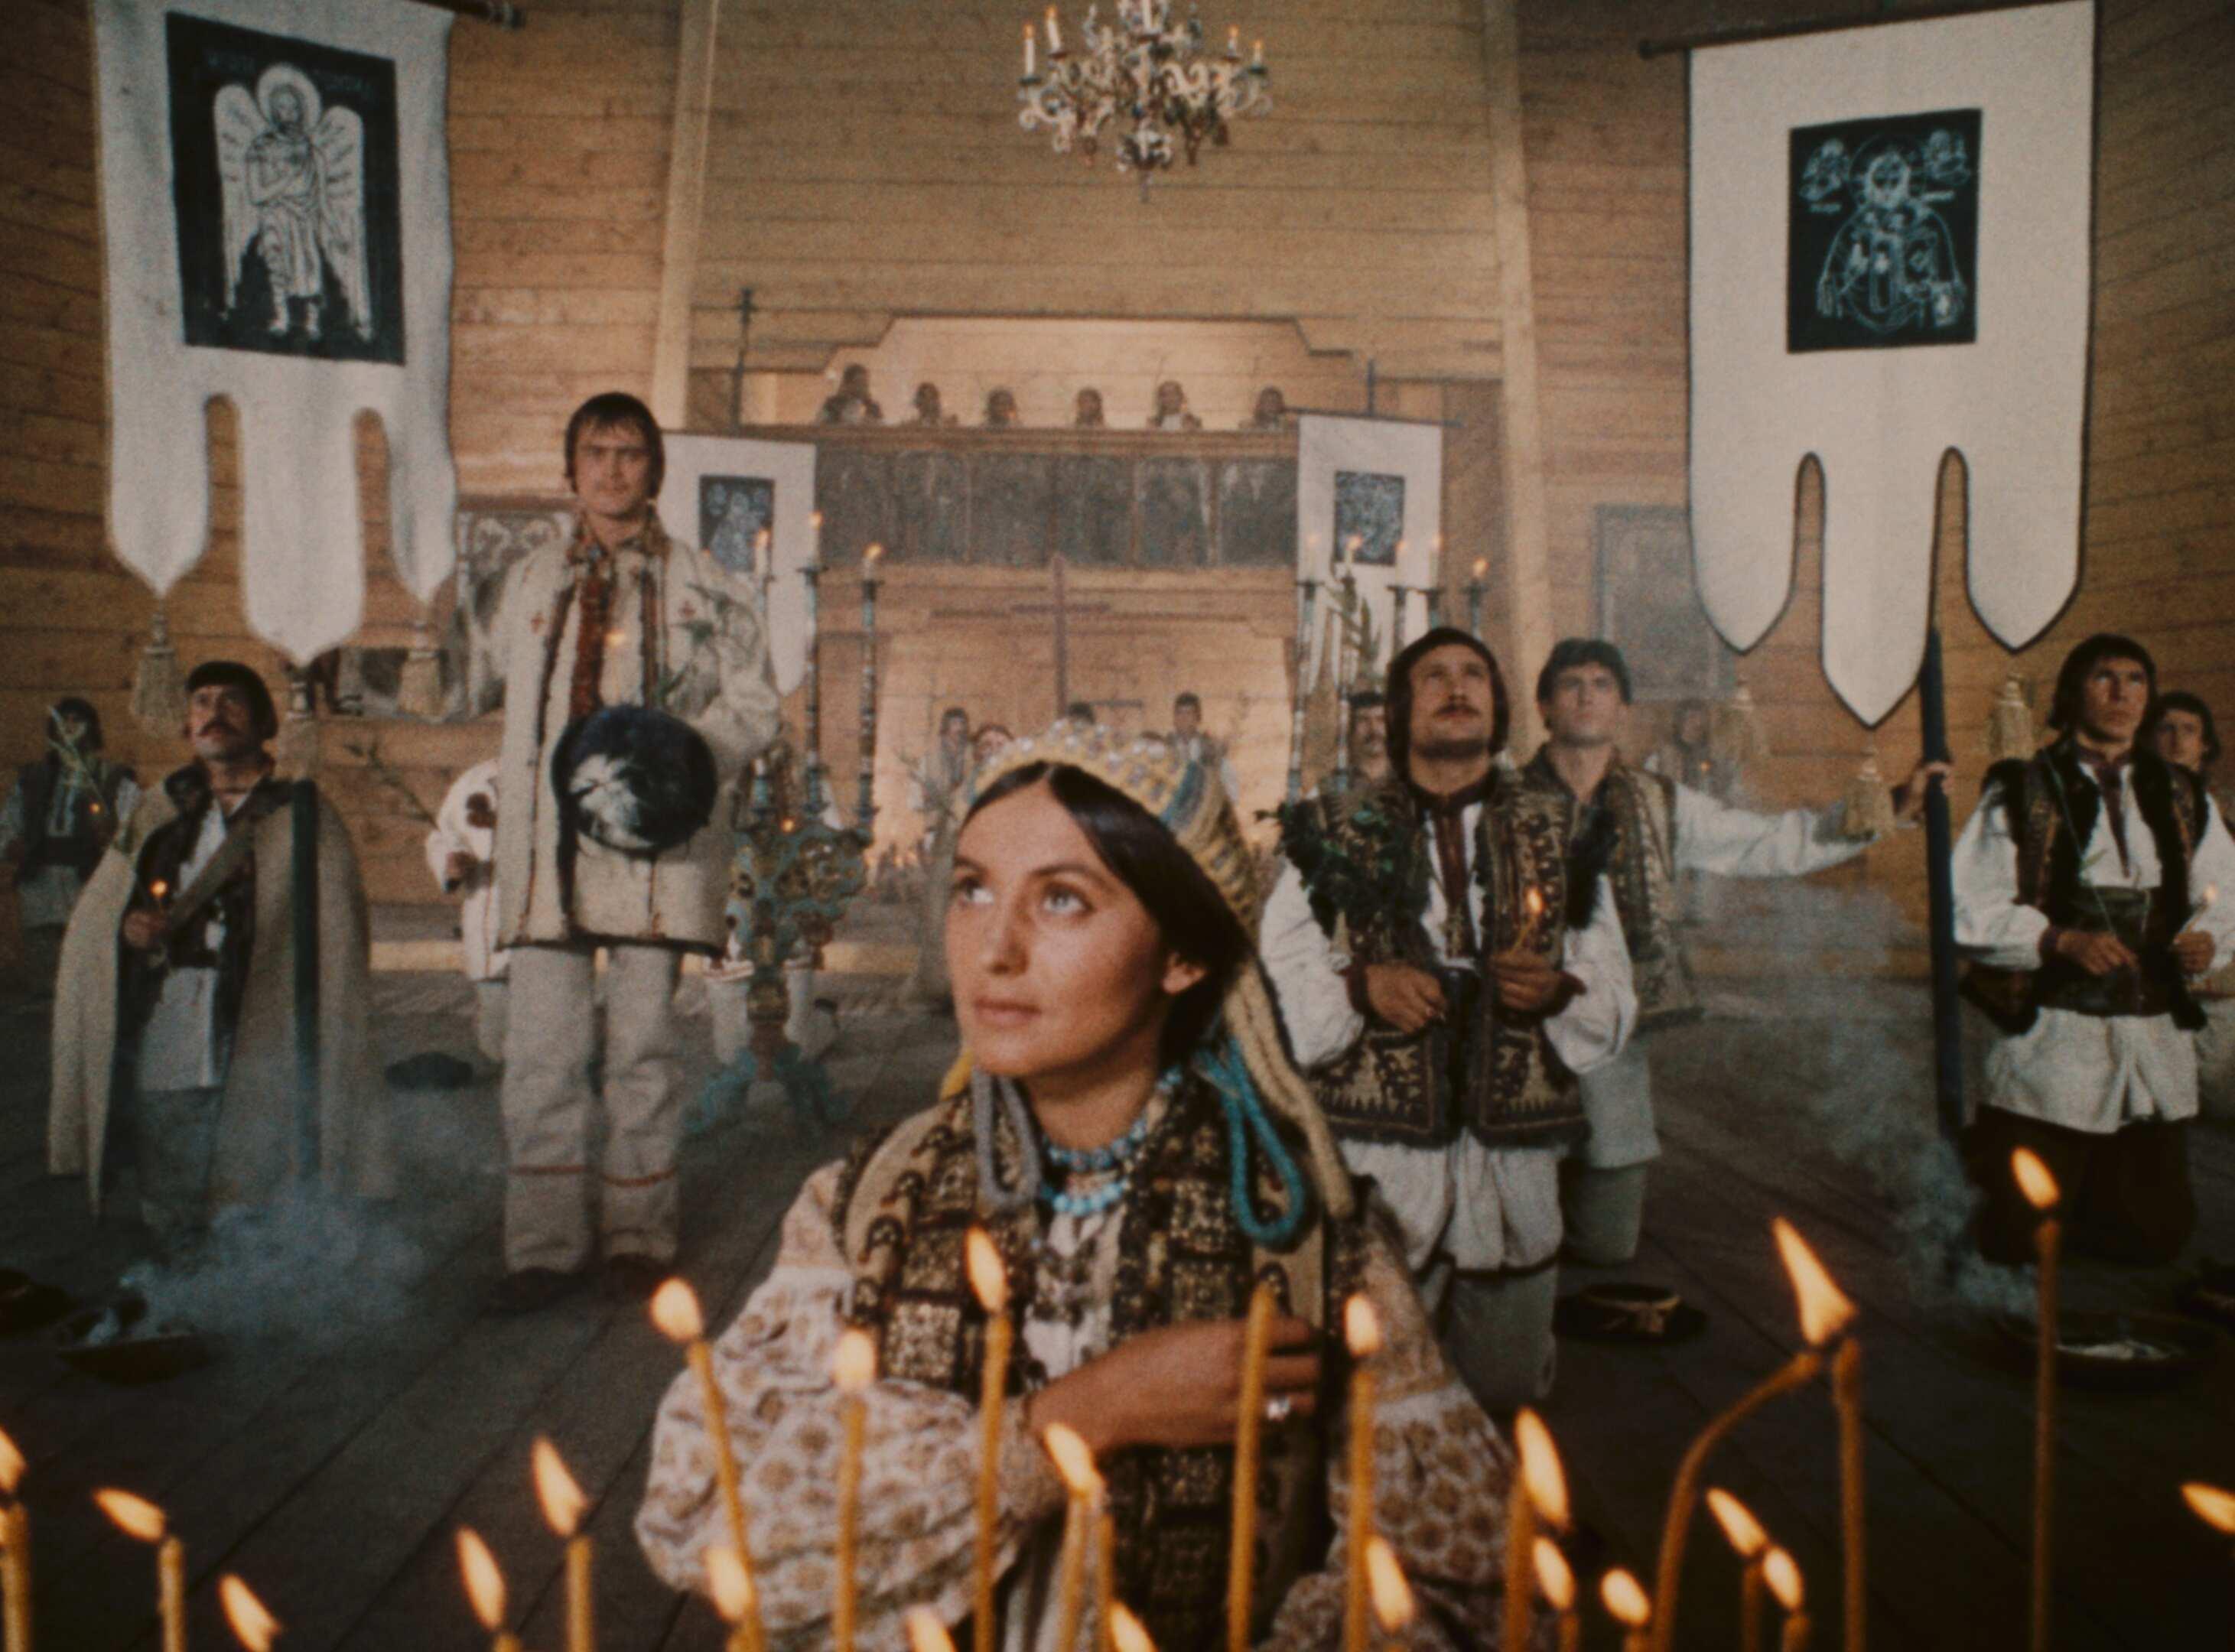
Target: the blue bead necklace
(1115, 1159)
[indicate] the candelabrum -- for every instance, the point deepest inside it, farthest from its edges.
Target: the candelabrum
(1145, 68)
(791, 882)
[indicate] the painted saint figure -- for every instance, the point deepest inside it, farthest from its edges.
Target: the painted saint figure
(1892, 266)
(293, 181)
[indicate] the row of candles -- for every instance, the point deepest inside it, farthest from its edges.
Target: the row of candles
(1343, 575)
(1375, 1592)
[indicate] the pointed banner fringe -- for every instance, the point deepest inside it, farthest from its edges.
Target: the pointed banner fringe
(420, 692)
(1866, 812)
(1735, 736)
(159, 692)
(2010, 726)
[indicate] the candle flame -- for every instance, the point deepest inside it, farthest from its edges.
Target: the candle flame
(158, 889)
(925, 1632)
(1362, 1328)
(1738, 1523)
(11, 1464)
(675, 1311)
(2210, 894)
(1393, 1595)
(2211, 1505)
(1783, 1576)
(1553, 1576)
(869, 557)
(555, 1489)
(1825, 1309)
(1533, 903)
(727, 1581)
(1540, 1468)
(254, 1626)
(1625, 1599)
(1126, 1633)
(139, 1517)
(854, 1364)
(1481, 566)
(814, 517)
(987, 1277)
(2034, 1179)
(484, 1581)
(1074, 1460)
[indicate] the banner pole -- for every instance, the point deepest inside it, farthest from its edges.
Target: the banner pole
(1940, 884)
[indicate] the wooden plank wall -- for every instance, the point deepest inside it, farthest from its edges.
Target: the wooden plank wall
(865, 162)
(1606, 143)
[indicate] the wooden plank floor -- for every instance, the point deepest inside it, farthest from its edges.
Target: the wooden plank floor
(363, 1409)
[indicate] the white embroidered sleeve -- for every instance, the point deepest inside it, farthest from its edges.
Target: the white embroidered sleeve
(1440, 1480)
(2212, 870)
(1598, 1020)
(1990, 923)
(918, 1529)
(1306, 972)
(1713, 836)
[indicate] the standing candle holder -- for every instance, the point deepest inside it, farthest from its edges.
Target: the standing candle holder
(1306, 597)
(867, 813)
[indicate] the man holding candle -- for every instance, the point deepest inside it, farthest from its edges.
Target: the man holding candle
(2079, 885)
(175, 1028)
(1481, 966)
(618, 635)
(1663, 828)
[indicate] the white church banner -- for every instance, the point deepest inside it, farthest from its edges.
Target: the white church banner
(1370, 491)
(1890, 259)
(752, 506)
(276, 199)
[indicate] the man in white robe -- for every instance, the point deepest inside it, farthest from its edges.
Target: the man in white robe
(1470, 993)
(2079, 886)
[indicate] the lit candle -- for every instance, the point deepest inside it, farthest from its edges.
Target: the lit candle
(15, 1552)
(1784, 1580)
(484, 1589)
(1126, 1634)
(1075, 1463)
(2042, 1192)
(251, 1621)
(853, 1366)
(731, 1586)
(1105, 1578)
(1746, 1536)
(1257, 56)
(990, 1281)
(675, 1312)
(563, 1503)
(1392, 1597)
(1362, 1332)
(1029, 65)
(1625, 1601)
(139, 1518)
(869, 808)
(1055, 34)
(925, 1632)
(1257, 1338)
(1474, 593)
(2210, 894)
(1558, 1583)
(1825, 1311)
(1539, 1489)
(1532, 912)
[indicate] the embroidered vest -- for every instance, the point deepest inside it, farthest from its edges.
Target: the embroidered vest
(2053, 805)
(905, 1202)
(1641, 866)
(1367, 858)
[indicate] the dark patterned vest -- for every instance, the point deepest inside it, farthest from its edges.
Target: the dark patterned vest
(2053, 805)
(904, 1203)
(1641, 810)
(1367, 859)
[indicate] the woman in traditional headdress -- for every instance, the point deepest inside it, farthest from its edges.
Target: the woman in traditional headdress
(1128, 1126)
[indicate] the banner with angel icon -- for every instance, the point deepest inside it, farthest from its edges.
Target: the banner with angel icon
(1890, 261)
(276, 200)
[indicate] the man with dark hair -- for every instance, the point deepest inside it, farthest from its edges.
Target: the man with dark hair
(852, 404)
(2181, 730)
(637, 689)
(1188, 735)
(2080, 884)
(1660, 828)
(63, 811)
(175, 1032)
(1447, 961)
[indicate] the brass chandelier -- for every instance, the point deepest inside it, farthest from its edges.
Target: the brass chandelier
(1146, 78)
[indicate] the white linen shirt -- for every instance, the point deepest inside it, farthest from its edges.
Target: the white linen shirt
(177, 1047)
(1483, 1207)
(2087, 1072)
